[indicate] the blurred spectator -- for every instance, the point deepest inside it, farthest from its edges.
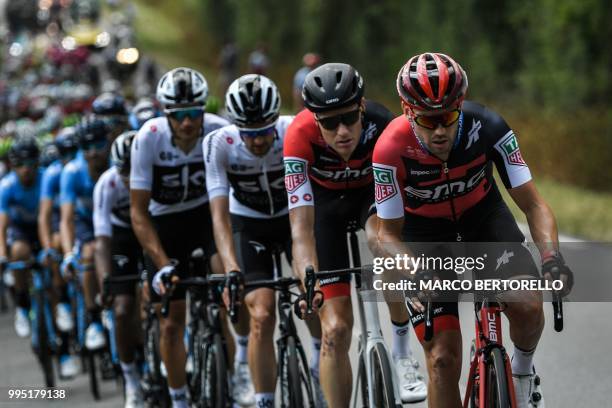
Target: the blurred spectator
(310, 61)
(228, 66)
(258, 60)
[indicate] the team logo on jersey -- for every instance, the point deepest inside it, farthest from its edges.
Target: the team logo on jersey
(294, 199)
(295, 174)
(383, 181)
(307, 197)
(510, 149)
(229, 140)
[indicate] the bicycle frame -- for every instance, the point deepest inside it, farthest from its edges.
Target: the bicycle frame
(488, 336)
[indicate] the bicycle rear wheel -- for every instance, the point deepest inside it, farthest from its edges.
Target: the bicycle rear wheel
(382, 377)
(363, 382)
(93, 375)
(214, 389)
(497, 394)
(43, 348)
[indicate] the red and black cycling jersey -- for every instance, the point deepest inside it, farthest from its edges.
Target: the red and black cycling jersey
(308, 157)
(409, 179)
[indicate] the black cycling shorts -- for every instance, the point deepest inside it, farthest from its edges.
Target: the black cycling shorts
(490, 221)
(255, 239)
(335, 210)
(126, 255)
(180, 234)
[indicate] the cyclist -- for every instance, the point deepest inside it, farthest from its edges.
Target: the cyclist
(328, 156)
(118, 253)
(245, 181)
(110, 107)
(434, 181)
(48, 220)
(169, 204)
(77, 182)
(19, 192)
(144, 110)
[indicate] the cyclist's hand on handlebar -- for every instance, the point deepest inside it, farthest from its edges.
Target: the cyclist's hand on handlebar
(233, 280)
(419, 297)
(554, 267)
(164, 278)
(67, 267)
(3, 263)
(301, 307)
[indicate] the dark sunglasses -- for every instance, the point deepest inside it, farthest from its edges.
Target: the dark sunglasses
(257, 132)
(347, 119)
(179, 114)
(98, 146)
(445, 119)
(26, 163)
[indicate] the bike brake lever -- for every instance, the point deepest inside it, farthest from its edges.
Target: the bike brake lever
(310, 284)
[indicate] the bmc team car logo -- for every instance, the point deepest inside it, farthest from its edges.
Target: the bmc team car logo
(510, 148)
(385, 187)
(295, 174)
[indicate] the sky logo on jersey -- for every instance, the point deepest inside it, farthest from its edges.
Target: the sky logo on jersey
(295, 174)
(510, 148)
(384, 185)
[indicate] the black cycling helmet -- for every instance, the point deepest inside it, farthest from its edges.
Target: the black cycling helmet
(91, 130)
(23, 149)
(49, 154)
(67, 141)
(332, 86)
(109, 103)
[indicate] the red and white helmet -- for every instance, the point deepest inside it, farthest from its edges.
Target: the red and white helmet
(431, 81)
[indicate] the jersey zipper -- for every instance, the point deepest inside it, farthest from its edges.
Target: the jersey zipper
(185, 177)
(264, 169)
(452, 203)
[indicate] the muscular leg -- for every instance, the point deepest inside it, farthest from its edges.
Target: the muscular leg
(171, 346)
(125, 332)
(443, 357)
(21, 251)
(262, 359)
(526, 316)
(90, 283)
(336, 376)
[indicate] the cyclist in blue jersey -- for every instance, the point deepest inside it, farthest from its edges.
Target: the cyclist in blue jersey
(111, 107)
(19, 192)
(76, 224)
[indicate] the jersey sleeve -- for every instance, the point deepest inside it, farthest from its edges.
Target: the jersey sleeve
(215, 159)
(5, 192)
(297, 156)
(49, 180)
(504, 149)
(68, 184)
(389, 177)
(102, 206)
(141, 167)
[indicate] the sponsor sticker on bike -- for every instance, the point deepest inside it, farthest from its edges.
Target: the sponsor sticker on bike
(384, 184)
(295, 174)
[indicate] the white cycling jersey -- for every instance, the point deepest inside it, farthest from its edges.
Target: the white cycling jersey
(176, 180)
(111, 204)
(255, 185)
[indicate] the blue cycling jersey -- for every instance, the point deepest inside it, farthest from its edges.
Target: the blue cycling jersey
(20, 203)
(76, 187)
(50, 184)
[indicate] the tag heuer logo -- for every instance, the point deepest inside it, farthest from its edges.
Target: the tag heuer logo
(385, 187)
(511, 150)
(295, 174)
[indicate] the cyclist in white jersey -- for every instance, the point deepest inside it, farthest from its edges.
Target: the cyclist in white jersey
(118, 253)
(248, 202)
(169, 203)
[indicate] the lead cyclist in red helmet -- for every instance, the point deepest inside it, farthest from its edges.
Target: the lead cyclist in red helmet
(433, 170)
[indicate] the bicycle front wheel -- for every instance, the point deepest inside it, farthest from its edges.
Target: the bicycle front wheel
(214, 388)
(497, 394)
(43, 348)
(289, 371)
(382, 378)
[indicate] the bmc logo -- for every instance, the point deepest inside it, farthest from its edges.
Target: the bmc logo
(442, 192)
(342, 175)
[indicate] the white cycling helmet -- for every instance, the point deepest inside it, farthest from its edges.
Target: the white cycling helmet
(121, 151)
(252, 100)
(182, 86)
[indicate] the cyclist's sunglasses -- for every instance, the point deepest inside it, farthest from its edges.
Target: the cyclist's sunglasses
(431, 122)
(26, 163)
(253, 133)
(179, 114)
(97, 146)
(347, 119)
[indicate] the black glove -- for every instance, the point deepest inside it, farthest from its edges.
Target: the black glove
(554, 265)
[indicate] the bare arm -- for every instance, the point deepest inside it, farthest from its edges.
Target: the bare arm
(541, 220)
(103, 258)
(45, 211)
(143, 227)
(67, 227)
(222, 227)
(304, 249)
(3, 226)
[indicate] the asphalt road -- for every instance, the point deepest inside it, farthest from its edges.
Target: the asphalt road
(575, 365)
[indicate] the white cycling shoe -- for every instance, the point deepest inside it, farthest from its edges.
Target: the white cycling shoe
(94, 336)
(68, 367)
(63, 317)
(528, 391)
(22, 323)
(411, 383)
(133, 398)
(244, 393)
